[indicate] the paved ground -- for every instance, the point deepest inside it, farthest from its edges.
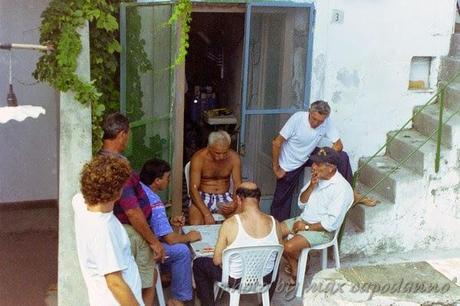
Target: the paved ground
(408, 283)
(28, 267)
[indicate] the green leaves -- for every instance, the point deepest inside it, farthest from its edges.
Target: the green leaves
(59, 27)
(182, 13)
(114, 46)
(60, 22)
(107, 22)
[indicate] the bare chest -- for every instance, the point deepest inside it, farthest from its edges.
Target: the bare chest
(216, 170)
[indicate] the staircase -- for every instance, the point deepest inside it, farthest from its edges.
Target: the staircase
(419, 209)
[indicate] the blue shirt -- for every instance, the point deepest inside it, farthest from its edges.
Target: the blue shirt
(159, 222)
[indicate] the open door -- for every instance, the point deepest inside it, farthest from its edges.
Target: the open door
(276, 82)
(147, 82)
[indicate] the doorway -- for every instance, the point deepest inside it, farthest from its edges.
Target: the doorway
(249, 63)
(213, 70)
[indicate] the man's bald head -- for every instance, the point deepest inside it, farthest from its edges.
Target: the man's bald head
(248, 190)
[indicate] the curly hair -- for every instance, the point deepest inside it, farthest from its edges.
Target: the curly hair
(102, 179)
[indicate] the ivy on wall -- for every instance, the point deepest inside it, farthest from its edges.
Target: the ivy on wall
(182, 13)
(60, 23)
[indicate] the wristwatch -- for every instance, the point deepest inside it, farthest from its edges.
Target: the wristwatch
(307, 227)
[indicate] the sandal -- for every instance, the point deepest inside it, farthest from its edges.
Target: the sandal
(292, 282)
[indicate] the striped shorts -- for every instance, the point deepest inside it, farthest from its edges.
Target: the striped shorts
(211, 199)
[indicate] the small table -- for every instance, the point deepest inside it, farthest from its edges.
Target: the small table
(209, 234)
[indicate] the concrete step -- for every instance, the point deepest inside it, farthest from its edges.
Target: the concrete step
(455, 45)
(362, 216)
(450, 67)
(452, 97)
(408, 141)
(427, 121)
(400, 185)
(454, 49)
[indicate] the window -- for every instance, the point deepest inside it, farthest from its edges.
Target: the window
(419, 77)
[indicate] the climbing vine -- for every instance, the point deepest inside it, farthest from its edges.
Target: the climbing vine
(183, 13)
(60, 23)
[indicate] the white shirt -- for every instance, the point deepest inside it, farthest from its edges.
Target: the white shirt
(302, 139)
(328, 203)
(103, 247)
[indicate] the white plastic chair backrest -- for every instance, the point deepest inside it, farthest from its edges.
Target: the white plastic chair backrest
(254, 264)
(187, 176)
(187, 179)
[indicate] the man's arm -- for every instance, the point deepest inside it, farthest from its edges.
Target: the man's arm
(236, 172)
(139, 223)
(338, 146)
(120, 289)
(282, 231)
(300, 226)
(222, 243)
(229, 209)
(277, 143)
(173, 238)
(195, 179)
(304, 196)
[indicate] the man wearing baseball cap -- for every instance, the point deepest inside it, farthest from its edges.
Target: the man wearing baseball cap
(300, 138)
(324, 202)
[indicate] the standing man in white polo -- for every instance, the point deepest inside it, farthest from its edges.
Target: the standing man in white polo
(292, 147)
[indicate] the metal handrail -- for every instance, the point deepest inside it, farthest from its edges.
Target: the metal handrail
(440, 93)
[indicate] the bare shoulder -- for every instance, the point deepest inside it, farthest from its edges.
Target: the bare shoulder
(235, 157)
(229, 223)
(198, 157)
(228, 227)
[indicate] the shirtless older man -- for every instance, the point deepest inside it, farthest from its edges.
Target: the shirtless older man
(211, 169)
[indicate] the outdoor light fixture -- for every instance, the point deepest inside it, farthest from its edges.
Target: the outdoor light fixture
(11, 97)
(12, 111)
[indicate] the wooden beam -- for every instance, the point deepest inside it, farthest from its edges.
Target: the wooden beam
(218, 8)
(178, 134)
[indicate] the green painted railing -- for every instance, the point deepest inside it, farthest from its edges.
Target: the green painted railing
(439, 97)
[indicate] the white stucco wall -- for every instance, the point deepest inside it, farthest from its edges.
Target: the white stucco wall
(362, 65)
(28, 149)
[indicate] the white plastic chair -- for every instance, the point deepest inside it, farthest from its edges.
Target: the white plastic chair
(159, 288)
(217, 217)
(302, 265)
(254, 261)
